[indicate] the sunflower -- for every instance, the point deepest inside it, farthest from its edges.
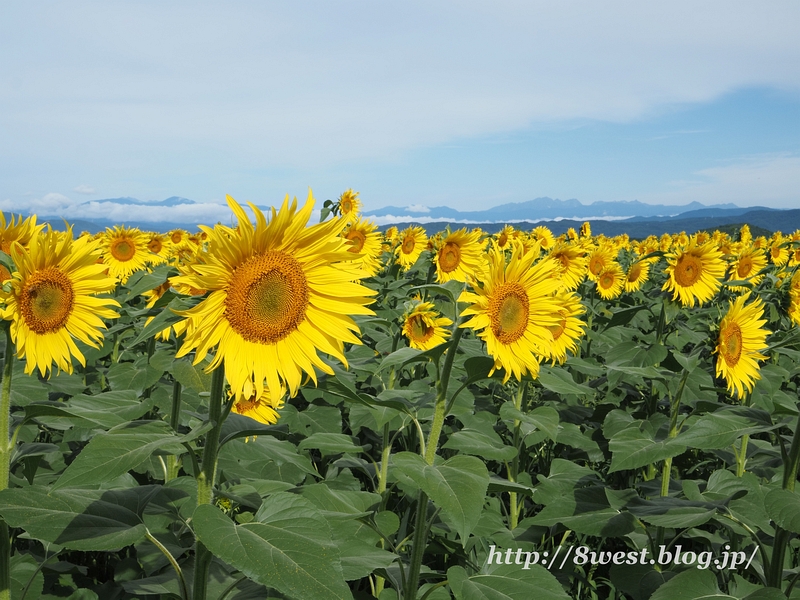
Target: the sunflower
(160, 248)
(279, 293)
(263, 408)
(599, 258)
(391, 235)
(746, 266)
(694, 273)
(503, 237)
(569, 329)
(364, 240)
(571, 265)
(544, 236)
(794, 298)
(637, 274)
(349, 204)
(586, 230)
(17, 229)
(741, 340)
(779, 253)
(424, 327)
(412, 242)
(124, 251)
(514, 311)
(460, 257)
(52, 300)
(610, 281)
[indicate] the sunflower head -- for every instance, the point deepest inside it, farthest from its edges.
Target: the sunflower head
(125, 251)
(279, 292)
(637, 274)
(741, 339)
(349, 205)
(695, 273)
(262, 408)
(364, 240)
(424, 327)
(610, 281)
(460, 256)
(52, 300)
(570, 263)
(412, 241)
(544, 236)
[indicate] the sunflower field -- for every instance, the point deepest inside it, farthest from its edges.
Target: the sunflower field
(318, 411)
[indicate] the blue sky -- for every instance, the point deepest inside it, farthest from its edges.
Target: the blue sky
(462, 104)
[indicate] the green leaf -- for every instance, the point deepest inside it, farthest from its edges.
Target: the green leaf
(560, 381)
(722, 428)
(586, 510)
(79, 519)
(101, 411)
(331, 443)
(402, 357)
(541, 418)
(117, 451)
(783, 507)
(191, 376)
(692, 584)
(23, 568)
(289, 547)
(133, 376)
(498, 484)
(457, 486)
(672, 512)
(479, 443)
(632, 448)
(506, 583)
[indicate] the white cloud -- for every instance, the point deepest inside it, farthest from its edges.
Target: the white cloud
(417, 208)
(84, 189)
(317, 83)
(763, 180)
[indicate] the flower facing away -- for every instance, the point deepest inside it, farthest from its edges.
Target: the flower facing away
(569, 329)
(279, 293)
(515, 311)
(52, 300)
(741, 340)
(15, 229)
(124, 251)
(412, 242)
(460, 256)
(570, 265)
(695, 273)
(424, 327)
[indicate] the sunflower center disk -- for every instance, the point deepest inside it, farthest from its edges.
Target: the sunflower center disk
(357, 240)
(267, 297)
(688, 270)
(46, 300)
(634, 273)
(123, 250)
(420, 331)
(596, 265)
(508, 312)
(449, 257)
(154, 246)
(745, 266)
(606, 281)
(732, 344)
(408, 245)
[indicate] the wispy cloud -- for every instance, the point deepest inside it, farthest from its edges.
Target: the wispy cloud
(764, 179)
(84, 189)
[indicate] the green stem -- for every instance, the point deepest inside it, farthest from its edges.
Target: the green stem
(173, 466)
(418, 547)
(513, 501)
(5, 457)
(441, 397)
(205, 480)
(781, 540)
(383, 476)
(172, 561)
(741, 456)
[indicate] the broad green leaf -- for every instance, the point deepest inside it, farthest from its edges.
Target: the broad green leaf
(79, 519)
(507, 583)
(722, 428)
(102, 411)
(331, 443)
(402, 357)
(26, 388)
(673, 512)
(289, 547)
(478, 443)
(560, 381)
(238, 426)
(136, 376)
(692, 584)
(457, 486)
(265, 458)
(116, 451)
(542, 418)
(191, 376)
(498, 484)
(24, 568)
(632, 448)
(586, 510)
(783, 507)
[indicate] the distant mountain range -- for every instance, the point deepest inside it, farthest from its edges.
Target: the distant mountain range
(635, 218)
